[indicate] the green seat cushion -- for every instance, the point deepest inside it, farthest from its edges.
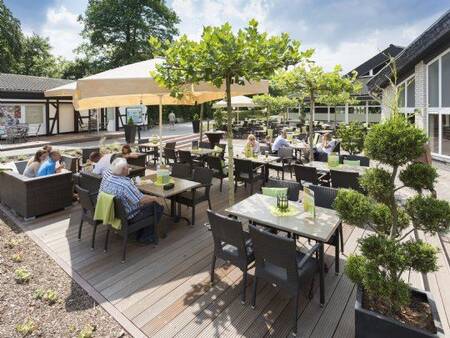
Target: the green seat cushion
(274, 192)
(355, 163)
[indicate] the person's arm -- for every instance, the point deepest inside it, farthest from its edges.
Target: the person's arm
(147, 199)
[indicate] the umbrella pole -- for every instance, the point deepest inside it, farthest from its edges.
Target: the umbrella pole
(160, 130)
(98, 126)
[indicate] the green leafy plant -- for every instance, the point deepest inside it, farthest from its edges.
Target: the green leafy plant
(22, 275)
(218, 118)
(12, 243)
(26, 328)
(38, 294)
(195, 117)
(274, 104)
(17, 258)
(130, 121)
(352, 137)
(392, 250)
(87, 332)
(51, 297)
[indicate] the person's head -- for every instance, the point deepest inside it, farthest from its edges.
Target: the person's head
(284, 133)
(55, 155)
(327, 137)
(251, 139)
(40, 156)
(119, 167)
(94, 157)
(268, 139)
(126, 149)
(48, 148)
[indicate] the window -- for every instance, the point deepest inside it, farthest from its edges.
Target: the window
(34, 114)
(445, 78)
(445, 135)
(433, 84)
(411, 93)
(401, 96)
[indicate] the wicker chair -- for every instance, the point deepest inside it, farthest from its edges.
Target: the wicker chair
(185, 156)
(87, 201)
(285, 163)
(231, 244)
(305, 174)
(277, 261)
(363, 160)
(345, 179)
(181, 170)
(245, 171)
(170, 156)
(293, 187)
(218, 168)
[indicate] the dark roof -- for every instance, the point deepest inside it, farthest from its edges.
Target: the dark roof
(378, 60)
(430, 43)
(15, 83)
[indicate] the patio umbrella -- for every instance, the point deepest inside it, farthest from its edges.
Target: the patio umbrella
(133, 84)
(236, 102)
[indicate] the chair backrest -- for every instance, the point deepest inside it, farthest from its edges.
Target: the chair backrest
(184, 156)
(293, 187)
(337, 147)
(170, 153)
(85, 199)
(21, 165)
(215, 164)
(306, 173)
(228, 236)
(170, 145)
(223, 146)
(119, 212)
(202, 175)
(323, 196)
(285, 152)
(363, 160)
(242, 166)
(345, 179)
(143, 140)
(264, 147)
(90, 182)
(181, 170)
(275, 258)
(195, 144)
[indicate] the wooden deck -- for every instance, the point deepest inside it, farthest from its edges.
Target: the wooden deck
(164, 291)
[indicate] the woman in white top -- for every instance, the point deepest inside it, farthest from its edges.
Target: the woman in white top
(251, 142)
(33, 167)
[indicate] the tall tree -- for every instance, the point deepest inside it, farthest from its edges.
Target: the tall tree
(116, 31)
(274, 104)
(10, 40)
(224, 57)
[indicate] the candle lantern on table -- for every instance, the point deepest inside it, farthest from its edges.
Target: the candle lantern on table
(282, 202)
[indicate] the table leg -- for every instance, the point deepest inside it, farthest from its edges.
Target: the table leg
(321, 272)
(172, 207)
(337, 251)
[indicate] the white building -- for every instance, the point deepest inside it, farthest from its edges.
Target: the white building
(423, 85)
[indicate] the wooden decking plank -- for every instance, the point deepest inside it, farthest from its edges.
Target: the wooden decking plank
(346, 327)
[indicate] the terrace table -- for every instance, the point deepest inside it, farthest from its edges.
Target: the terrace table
(260, 159)
(256, 208)
(323, 166)
(200, 151)
(180, 185)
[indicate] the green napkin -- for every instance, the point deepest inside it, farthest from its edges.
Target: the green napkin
(274, 192)
(355, 163)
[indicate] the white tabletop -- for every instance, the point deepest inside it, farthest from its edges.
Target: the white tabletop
(180, 185)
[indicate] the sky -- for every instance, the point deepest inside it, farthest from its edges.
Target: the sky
(345, 32)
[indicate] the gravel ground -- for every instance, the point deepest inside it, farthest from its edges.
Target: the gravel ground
(73, 314)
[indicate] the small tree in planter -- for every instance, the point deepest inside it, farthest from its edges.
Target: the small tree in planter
(130, 131)
(352, 137)
(391, 250)
(195, 123)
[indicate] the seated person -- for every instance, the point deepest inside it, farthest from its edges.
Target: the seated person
(127, 152)
(137, 205)
(323, 149)
(100, 162)
(280, 141)
(32, 168)
(252, 143)
(47, 148)
(49, 166)
(268, 139)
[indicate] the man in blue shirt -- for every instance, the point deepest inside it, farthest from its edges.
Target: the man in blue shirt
(280, 141)
(49, 166)
(137, 205)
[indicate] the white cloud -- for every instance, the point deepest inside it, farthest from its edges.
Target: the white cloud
(63, 30)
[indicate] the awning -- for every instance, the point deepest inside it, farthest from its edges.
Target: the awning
(236, 102)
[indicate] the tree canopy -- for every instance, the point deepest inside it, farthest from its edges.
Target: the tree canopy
(10, 40)
(116, 31)
(224, 57)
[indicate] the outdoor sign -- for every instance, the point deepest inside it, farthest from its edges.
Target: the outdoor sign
(333, 160)
(135, 113)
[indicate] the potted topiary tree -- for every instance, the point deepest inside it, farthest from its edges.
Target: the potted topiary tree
(130, 131)
(386, 305)
(352, 137)
(196, 123)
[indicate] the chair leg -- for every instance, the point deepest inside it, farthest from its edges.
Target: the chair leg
(221, 183)
(341, 237)
(244, 286)
(209, 203)
(251, 188)
(193, 215)
(93, 236)
(213, 266)
(124, 248)
(255, 282)
(294, 328)
(80, 228)
(106, 240)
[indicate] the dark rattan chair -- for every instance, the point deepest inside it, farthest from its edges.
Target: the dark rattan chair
(345, 179)
(170, 156)
(324, 198)
(185, 156)
(363, 160)
(218, 168)
(305, 174)
(293, 187)
(181, 170)
(245, 171)
(286, 156)
(231, 244)
(277, 261)
(195, 196)
(87, 202)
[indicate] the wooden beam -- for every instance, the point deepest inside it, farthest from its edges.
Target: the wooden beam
(47, 117)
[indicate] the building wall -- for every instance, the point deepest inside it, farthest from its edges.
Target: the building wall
(420, 75)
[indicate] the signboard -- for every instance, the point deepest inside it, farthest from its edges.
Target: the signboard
(135, 113)
(10, 114)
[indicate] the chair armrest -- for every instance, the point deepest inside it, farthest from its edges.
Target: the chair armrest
(308, 254)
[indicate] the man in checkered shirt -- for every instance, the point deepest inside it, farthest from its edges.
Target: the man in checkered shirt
(137, 205)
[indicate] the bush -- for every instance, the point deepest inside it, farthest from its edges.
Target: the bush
(17, 258)
(352, 137)
(87, 332)
(218, 118)
(26, 328)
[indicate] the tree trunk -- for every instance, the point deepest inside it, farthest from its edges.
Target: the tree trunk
(311, 127)
(394, 210)
(230, 143)
(267, 117)
(335, 119)
(201, 122)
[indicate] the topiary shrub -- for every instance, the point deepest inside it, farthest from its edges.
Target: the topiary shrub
(391, 250)
(352, 137)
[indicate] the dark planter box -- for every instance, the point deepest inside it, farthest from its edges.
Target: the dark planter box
(369, 324)
(196, 126)
(130, 133)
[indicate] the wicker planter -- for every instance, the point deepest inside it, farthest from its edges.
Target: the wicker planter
(130, 133)
(370, 324)
(196, 126)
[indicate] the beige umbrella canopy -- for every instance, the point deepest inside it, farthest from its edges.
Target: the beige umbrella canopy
(133, 84)
(236, 102)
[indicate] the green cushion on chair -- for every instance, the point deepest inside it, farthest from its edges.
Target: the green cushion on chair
(355, 163)
(274, 192)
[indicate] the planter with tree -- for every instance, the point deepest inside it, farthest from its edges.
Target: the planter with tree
(130, 131)
(352, 137)
(386, 305)
(196, 123)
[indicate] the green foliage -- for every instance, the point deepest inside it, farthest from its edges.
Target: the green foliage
(218, 118)
(26, 328)
(17, 258)
(224, 58)
(419, 176)
(115, 32)
(195, 117)
(12, 243)
(429, 214)
(130, 122)
(274, 104)
(49, 296)
(38, 294)
(22, 275)
(10, 40)
(378, 184)
(381, 215)
(352, 137)
(87, 332)
(395, 141)
(352, 207)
